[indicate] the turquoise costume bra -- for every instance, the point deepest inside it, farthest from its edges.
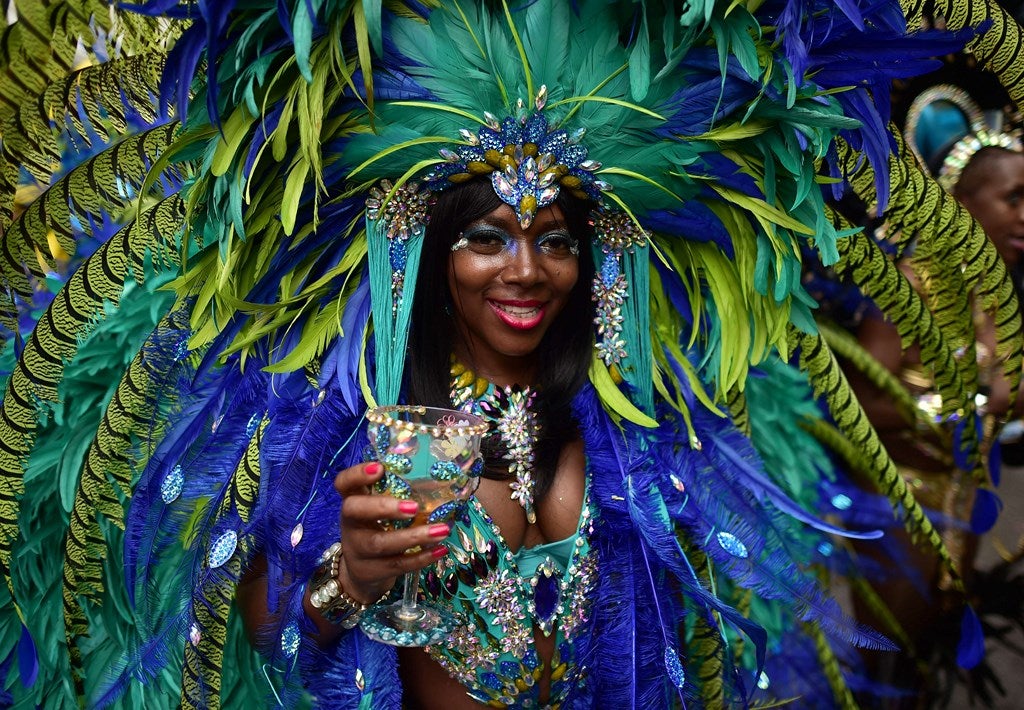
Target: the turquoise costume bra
(500, 596)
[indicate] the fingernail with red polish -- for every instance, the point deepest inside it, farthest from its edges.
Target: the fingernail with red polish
(408, 507)
(439, 530)
(439, 552)
(373, 468)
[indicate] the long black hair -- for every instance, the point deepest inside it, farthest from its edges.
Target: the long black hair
(565, 350)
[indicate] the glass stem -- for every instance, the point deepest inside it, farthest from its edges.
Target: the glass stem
(409, 611)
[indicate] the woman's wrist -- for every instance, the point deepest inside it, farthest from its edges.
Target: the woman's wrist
(329, 596)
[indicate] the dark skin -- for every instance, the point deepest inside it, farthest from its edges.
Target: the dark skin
(501, 295)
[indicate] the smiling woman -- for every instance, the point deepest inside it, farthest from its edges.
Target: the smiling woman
(580, 221)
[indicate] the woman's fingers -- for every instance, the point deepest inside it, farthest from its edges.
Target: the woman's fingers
(356, 480)
(375, 556)
(393, 543)
(367, 509)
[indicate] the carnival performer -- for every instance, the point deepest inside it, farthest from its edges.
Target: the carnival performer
(580, 221)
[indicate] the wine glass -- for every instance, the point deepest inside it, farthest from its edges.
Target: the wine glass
(430, 455)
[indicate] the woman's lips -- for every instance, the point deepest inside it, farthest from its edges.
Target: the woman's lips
(521, 315)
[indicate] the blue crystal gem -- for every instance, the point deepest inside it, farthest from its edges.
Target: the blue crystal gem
(530, 660)
(536, 128)
(825, 548)
(674, 667)
(290, 639)
(381, 438)
(610, 269)
(445, 512)
(554, 142)
(490, 140)
(477, 468)
(841, 501)
(399, 255)
(445, 471)
(397, 464)
(511, 131)
(172, 484)
(181, 348)
(572, 156)
(491, 680)
(509, 669)
(732, 544)
(254, 422)
(397, 486)
(222, 548)
(545, 596)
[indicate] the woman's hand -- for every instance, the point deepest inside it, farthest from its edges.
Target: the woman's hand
(373, 558)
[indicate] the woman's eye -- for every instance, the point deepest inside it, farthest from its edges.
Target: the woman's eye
(558, 244)
(486, 241)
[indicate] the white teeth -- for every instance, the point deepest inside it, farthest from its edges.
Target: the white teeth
(518, 311)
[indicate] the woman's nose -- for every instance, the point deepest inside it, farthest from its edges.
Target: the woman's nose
(523, 265)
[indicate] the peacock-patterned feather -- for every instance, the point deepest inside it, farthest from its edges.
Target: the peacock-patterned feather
(202, 667)
(998, 49)
(94, 105)
(50, 36)
(829, 382)
(846, 346)
(99, 280)
(104, 184)
(107, 469)
(921, 207)
(706, 647)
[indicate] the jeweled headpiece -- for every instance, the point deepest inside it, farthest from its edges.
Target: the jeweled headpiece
(942, 113)
(528, 161)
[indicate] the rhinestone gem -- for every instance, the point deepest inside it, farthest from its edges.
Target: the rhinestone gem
(195, 635)
(732, 544)
(254, 422)
(290, 639)
(223, 548)
(841, 501)
(172, 484)
(297, 533)
(762, 681)
(674, 667)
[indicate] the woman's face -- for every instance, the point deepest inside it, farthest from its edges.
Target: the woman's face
(997, 203)
(508, 285)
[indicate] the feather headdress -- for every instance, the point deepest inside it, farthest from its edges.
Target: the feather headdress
(288, 204)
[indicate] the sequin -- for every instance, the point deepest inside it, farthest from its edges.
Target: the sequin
(445, 512)
(222, 548)
(290, 640)
(732, 544)
(674, 667)
(841, 501)
(181, 350)
(397, 464)
(172, 485)
(253, 424)
(297, 533)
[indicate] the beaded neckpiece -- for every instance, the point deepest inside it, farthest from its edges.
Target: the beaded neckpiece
(509, 410)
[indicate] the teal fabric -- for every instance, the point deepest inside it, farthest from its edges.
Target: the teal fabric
(528, 559)
(494, 592)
